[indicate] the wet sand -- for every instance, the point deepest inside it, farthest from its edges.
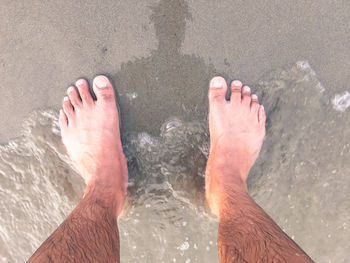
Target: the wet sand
(145, 46)
(160, 56)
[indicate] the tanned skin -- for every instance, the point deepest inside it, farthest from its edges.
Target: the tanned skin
(90, 132)
(89, 234)
(237, 129)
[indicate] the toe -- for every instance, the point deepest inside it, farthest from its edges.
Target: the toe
(68, 108)
(236, 89)
(254, 105)
(84, 91)
(262, 115)
(63, 120)
(103, 89)
(246, 99)
(74, 97)
(217, 90)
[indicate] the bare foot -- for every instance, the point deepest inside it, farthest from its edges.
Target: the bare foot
(90, 132)
(237, 130)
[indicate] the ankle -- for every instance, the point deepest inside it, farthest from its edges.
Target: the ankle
(232, 161)
(220, 192)
(227, 173)
(232, 202)
(108, 195)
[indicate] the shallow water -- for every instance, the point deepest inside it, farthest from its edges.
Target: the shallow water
(301, 179)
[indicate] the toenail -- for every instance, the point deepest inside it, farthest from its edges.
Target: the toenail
(217, 83)
(237, 83)
(101, 82)
(246, 89)
(65, 98)
(254, 97)
(70, 89)
(262, 107)
(80, 82)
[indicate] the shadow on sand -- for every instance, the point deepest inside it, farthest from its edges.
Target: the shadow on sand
(167, 83)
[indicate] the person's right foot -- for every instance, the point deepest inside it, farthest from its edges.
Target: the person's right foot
(90, 132)
(237, 130)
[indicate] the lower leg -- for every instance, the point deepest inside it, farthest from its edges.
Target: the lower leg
(90, 132)
(237, 129)
(89, 234)
(248, 234)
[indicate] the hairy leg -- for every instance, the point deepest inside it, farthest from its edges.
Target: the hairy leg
(89, 234)
(90, 132)
(237, 129)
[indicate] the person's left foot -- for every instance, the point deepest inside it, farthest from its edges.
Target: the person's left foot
(90, 131)
(237, 131)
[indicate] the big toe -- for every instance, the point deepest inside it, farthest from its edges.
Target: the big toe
(217, 90)
(103, 89)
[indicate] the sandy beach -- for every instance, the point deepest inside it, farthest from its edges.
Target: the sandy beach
(160, 56)
(46, 47)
